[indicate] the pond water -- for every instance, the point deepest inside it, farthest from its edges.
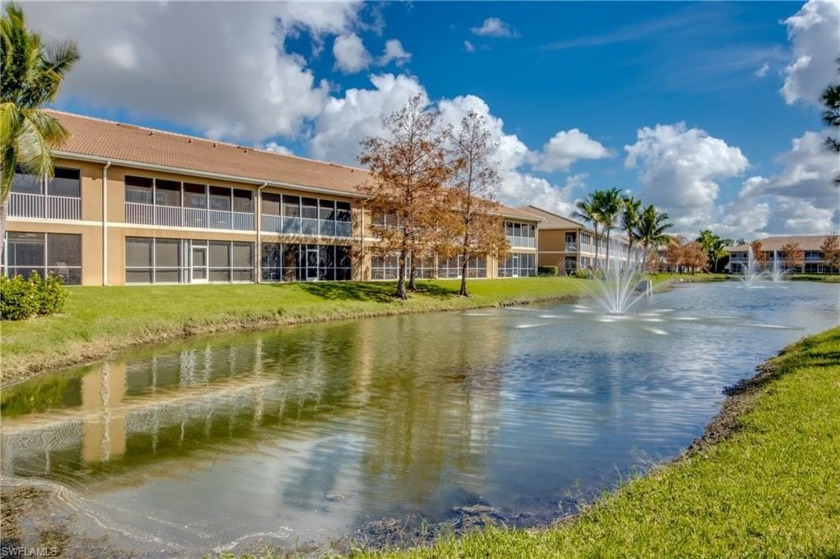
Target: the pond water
(306, 433)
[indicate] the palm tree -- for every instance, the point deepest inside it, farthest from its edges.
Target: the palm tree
(831, 116)
(651, 229)
(32, 74)
(608, 207)
(630, 209)
(588, 212)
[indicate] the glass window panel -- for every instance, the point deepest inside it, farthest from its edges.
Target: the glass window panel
(326, 209)
(327, 256)
(69, 276)
(290, 262)
(26, 249)
(195, 196)
(167, 276)
(219, 275)
(138, 190)
(243, 200)
(138, 252)
(309, 208)
(291, 206)
(342, 256)
(342, 211)
(27, 184)
(66, 182)
(138, 276)
(167, 253)
(272, 255)
(243, 275)
(243, 255)
(271, 204)
(220, 198)
(167, 193)
(219, 254)
(64, 250)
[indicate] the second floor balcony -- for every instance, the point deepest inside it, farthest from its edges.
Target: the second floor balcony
(521, 242)
(44, 206)
(285, 225)
(176, 216)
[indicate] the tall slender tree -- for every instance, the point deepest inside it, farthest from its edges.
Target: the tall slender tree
(608, 207)
(651, 229)
(477, 224)
(587, 210)
(630, 210)
(32, 72)
(831, 116)
(794, 256)
(714, 247)
(830, 248)
(408, 168)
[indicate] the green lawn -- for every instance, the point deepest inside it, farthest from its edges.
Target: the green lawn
(99, 320)
(770, 490)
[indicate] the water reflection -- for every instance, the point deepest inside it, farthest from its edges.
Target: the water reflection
(304, 433)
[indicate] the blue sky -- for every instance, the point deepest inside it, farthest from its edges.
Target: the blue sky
(709, 110)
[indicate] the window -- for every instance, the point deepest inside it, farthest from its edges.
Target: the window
(271, 204)
(167, 193)
(517, 265)
(295, 262)
(167, 261)
(326, 210)
(342, 211)
(138, 190)
(138, 260)
(384, 267)
(195, 196)
(45, 253)
(220, 199)
(291, 206)
(66, 182)
(243, 201)
(27, 184)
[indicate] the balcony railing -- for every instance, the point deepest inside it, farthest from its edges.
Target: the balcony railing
(305, 226)
(571, 247)
(175, 216)
(44, 206)
(522, 242)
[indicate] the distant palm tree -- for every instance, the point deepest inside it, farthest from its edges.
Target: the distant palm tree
(651, 229)
(588, 212)
(630, 210)
(831, 116)
(608, 205)
(31, 76)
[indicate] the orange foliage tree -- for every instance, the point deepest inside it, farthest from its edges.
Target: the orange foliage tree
(794, 256)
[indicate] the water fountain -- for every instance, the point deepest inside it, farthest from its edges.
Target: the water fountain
(777, 269)
(751, 272)
(619, 287)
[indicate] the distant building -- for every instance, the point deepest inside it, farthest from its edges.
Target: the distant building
(814, 261)
(570, 245)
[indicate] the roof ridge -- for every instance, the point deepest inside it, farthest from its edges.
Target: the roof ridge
(207, 140)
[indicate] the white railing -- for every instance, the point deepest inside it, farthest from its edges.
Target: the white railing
(175, 216)
(44, 206)
(571, 247)
(522, 242)
(305, 226)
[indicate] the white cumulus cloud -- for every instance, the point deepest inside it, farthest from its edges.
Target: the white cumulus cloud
(814, 33)
(494, 27)
(350, 53)
(566, 147)
(395, 53)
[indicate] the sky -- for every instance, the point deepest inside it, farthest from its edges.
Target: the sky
(708, 110)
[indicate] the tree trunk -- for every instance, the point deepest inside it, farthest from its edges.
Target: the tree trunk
(464, 264)
(597, 245)
(607, 267)
(412, 277)
(401, 294)
(4, 206)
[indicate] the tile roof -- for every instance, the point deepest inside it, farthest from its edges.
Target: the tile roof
(551, 220)
(806, 242)
(94, 137)
(105, 139)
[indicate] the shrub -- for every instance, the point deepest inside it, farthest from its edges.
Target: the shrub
(21, 298)
(583, 273)
(17, 301)
(49, 293)
(546, 270)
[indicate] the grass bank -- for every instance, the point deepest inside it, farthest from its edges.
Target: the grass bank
(764, 482)
(99, 320)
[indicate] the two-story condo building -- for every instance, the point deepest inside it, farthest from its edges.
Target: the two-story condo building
(130, 205)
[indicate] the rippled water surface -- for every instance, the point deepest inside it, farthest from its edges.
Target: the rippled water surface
(306, 433)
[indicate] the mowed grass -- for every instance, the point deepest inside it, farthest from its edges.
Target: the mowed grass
(772, 489)
(99, 320)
